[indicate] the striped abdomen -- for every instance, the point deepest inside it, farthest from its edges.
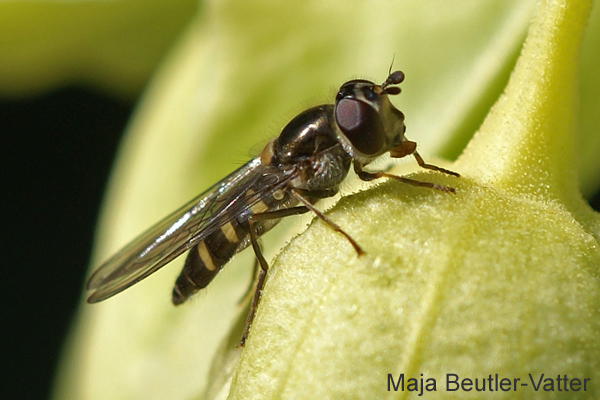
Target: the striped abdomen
(205, 260)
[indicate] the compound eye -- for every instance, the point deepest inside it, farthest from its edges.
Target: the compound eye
(361, 124)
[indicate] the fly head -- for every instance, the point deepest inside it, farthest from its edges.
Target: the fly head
(368, 122)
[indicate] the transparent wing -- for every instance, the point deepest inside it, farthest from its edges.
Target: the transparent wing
(184, 228)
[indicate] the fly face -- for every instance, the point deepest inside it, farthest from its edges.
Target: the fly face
(306, 163)
(370, 125)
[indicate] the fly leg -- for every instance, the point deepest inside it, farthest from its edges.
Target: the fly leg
(248, 291)
(408, 147)
(264, 266)
(422, 164)
(297, 193)
(369, 176)
(260, 259)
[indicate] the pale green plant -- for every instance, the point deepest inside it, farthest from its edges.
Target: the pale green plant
(500, 278)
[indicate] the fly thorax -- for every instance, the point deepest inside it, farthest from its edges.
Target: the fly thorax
(324, 171)
(308, 133)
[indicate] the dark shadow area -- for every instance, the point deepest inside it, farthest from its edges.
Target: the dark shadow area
(595, 201)
(57, 150)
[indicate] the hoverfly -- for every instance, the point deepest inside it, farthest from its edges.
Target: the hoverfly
(306, 163)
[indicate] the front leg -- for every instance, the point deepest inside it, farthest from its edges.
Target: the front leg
(422, 164)
(408, 147)
(369, 176)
